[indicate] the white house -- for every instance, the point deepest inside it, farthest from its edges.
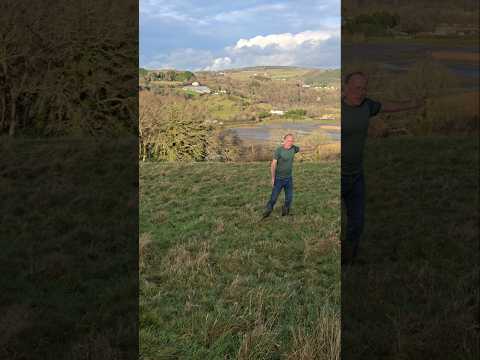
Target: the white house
(195, 83)
(277, 112)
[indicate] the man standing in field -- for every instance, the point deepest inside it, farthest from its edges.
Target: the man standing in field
(281, 172)
(357, 110)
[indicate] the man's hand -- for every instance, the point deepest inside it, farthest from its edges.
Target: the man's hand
(273, 167)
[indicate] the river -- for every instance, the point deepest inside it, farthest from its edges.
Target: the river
(398, 57)
(274, 131)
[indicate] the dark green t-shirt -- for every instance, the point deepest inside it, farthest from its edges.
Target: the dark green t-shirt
(355, 121)
(284, 159)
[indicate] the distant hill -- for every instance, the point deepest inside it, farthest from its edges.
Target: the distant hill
(322, 77)
(267, 68)
(310, 76)
(260, 68)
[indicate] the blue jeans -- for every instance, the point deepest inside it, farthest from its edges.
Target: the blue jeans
(278, 185)
(353, 196)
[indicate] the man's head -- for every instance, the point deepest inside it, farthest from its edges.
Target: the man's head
(355, 88)
(288, 141)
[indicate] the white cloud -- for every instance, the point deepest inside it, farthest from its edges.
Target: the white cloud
(286, 41)
(188, 34)
(219, 64)
(241, 15)
(309, 48)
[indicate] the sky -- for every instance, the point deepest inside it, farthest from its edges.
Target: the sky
(218, 35)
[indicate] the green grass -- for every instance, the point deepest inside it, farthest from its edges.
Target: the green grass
(416, 294)
(288, 73)
(222, 108)
(69, 252)
(190, 93)
(216, 283)
(308, 75)
(319, 77)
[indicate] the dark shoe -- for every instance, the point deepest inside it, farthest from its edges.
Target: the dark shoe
(266, 213)
(285, 211)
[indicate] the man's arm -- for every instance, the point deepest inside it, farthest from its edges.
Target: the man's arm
(390, 107)
(273, 167)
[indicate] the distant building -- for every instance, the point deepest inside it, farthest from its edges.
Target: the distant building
(195, 83)
(277, 112)
(306, 86)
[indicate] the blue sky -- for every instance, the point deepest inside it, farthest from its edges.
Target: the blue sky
(216, 35)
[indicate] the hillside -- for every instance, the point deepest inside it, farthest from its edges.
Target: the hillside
(215, 282)
(215, 104)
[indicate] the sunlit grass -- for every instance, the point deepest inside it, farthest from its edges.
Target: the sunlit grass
(216, 282)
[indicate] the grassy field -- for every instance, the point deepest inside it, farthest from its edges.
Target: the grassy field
(414, 293)
(289, 73)
(69, 249)
(216, 283)
(307, 75)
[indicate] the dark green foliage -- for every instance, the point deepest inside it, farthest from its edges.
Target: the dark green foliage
(372, 24)
(263, 114)
(184, 76)
(182, 140)
(296, 113)
(175, 137)
(170, 75)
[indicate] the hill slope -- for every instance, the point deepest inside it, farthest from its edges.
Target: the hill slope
(216, 282)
